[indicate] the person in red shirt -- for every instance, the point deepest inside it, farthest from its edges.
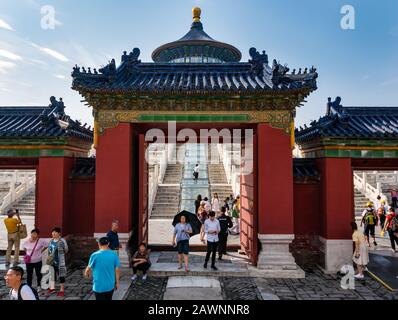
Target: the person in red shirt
(391, 225)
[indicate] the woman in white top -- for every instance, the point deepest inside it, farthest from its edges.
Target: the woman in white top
(215, 203)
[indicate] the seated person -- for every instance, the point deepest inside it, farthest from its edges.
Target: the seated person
(140, 261)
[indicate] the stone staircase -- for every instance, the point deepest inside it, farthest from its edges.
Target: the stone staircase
(26, 205)
(173, 174)
(167, 200)
(360, 202)
(218, 181)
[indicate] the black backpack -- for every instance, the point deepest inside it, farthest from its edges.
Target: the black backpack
(33, 290)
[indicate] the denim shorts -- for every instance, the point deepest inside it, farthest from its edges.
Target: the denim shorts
(183, 246)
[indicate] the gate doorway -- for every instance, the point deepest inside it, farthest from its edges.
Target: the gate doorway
(166, 186)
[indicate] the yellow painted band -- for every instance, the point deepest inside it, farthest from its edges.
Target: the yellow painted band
(379, 280)
(44, 148)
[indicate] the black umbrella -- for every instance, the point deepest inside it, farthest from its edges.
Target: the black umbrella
(191, 218)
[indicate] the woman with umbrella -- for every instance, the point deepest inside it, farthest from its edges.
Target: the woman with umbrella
(181, 235)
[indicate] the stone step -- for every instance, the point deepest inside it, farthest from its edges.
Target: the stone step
(160, 269)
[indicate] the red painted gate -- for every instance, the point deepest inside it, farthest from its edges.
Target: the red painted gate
(248, 201)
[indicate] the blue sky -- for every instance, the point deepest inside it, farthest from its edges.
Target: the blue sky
(360, 65)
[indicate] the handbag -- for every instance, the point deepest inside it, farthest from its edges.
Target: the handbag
(22, 231)
(27, 258)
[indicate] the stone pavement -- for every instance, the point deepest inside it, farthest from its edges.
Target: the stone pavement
(316, 286)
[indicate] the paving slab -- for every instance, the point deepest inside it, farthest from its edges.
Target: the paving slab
(193, 293)
(190, 281)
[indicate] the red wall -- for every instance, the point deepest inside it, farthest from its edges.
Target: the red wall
(80, 220)
(113, 187)
(52, 194)
(275, 181)
(307, 209)
(337, 197)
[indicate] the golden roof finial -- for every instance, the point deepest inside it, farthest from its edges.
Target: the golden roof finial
(196, 14)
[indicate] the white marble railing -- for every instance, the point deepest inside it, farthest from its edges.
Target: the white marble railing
(369, 191)
(27, 180)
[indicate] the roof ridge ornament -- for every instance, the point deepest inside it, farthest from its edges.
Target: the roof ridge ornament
(333, 107)
(258, 60)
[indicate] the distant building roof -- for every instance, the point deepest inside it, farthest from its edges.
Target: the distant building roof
(40, 122)
(305, 168)
(352, 122)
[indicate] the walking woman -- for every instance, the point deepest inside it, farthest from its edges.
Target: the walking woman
(34, 247)
(215, 203)
(57, 250)
(361, 254)
(391, 226)
(181, 235)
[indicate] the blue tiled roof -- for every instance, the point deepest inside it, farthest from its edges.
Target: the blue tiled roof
(39, 122)
(135, 77)
(353, 122)
(305, 168)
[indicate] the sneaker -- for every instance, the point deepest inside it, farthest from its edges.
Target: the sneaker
(134, 277)
(144, 277)
(50, 291)
(214, 268)
(61, 294)
(220, 257)
(359, 276)
(375, 243)
(205, 265)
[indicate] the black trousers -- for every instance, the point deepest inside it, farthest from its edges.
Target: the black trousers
(102, 296)
(394, 202)
(143, 267)
(393, 239)
(222, 243)
(211, 249)
(36, 267)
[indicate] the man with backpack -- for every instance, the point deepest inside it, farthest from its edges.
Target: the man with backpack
(369, 218)
(391, 225)
(19, 290)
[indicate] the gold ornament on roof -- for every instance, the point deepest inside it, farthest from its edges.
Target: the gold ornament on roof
(196, 14)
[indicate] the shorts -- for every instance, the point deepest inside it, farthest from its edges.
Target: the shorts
(183, 247)
(369, 229)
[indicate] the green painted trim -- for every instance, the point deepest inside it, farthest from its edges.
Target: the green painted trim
(390, 154)
(32, 142)
(194, 117)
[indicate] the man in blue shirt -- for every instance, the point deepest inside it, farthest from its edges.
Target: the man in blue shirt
(104, 264)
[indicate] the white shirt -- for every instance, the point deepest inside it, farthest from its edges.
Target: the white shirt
(212, 226)
(196, 169)
(26, 294)
(215, 204)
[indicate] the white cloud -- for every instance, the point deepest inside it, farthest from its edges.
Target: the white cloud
(5, 65)
(9, 55)
(5, 25)
(55, 54)
(60, 76)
